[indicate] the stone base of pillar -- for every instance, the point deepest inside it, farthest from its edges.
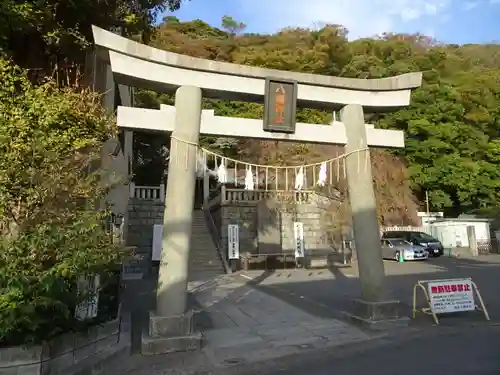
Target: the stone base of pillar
(378, 315)
(170, 334)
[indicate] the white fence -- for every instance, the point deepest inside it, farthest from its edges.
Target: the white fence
(147, 192)
(397, 228)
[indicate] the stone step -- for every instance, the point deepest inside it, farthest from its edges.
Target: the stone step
(205, 260)
(205, 256)
(201, 270)
(207, 274)
(202, 237)
(206, 270)
(196, 252)
(204, 265)
(201, 247)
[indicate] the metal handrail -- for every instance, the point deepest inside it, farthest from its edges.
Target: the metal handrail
(216, 239)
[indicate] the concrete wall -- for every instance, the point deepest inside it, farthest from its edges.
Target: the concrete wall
(72, 353)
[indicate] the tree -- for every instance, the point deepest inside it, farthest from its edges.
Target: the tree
(452, 125)
(58, 32)
(232, 26)
(51, 229)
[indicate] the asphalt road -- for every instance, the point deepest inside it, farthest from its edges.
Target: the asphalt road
(471, 351)
(330, 296)
(463, 345)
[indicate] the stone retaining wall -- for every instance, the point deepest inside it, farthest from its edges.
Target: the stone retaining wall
(311, 214)
(142, 216)
(69, 354)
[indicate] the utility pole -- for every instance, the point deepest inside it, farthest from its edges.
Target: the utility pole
(427, 203)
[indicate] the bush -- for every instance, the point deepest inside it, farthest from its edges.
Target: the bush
(51, 225)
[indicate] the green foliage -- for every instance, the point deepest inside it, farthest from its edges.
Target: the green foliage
(51, 228)
(453, 122)
(58, 31)
(232, 26)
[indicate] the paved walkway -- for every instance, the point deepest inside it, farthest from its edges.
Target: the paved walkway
(243, 325)
(250, 325)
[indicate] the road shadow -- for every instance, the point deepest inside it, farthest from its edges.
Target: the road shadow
(332, 297)
(139, 298)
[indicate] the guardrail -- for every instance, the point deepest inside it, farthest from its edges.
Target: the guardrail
(226, 196)
(214, 231)
(229, 196)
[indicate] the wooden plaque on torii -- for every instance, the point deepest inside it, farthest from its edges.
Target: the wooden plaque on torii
(280, 105)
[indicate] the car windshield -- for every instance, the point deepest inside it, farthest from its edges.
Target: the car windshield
(424, 237)
(397, 241)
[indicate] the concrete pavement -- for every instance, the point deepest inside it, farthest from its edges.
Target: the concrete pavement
(249, 325)
(243, 325)
(266, 321)
(329, 292)
(443, 351)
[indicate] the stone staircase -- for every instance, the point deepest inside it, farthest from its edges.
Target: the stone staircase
(205, 261)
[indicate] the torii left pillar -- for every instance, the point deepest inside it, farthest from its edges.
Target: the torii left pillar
(171, 326)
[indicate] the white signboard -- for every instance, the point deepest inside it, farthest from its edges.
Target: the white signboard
(233, 241)
(87, 309)
(157, 242)
(133, 268)
(454, 295)
(298, 231)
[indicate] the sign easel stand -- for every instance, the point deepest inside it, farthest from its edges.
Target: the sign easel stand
(421, 284)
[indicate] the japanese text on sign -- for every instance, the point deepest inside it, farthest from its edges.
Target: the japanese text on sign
(157, 242)
(233, 240)
(280, 105)
(298, 229)
(454, 295)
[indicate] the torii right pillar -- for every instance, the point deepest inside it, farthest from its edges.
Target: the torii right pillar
(375, 307)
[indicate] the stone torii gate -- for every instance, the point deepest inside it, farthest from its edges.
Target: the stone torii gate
(131, 64)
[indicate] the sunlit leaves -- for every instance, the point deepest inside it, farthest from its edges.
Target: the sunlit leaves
(453, 122)
(58, 32)
(51, 230)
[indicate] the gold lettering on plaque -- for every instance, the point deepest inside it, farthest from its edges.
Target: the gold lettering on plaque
(279, 105)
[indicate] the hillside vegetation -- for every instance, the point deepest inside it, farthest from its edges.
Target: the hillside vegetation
(452, 125)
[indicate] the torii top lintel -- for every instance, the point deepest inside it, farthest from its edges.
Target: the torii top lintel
(138, 65)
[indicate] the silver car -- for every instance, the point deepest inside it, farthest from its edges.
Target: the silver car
(394, 248)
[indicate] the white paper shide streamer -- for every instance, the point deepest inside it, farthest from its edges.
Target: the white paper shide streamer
(302, 173)
(222, 172)
(299, 179)
(322, 175)
(201, 166)
(249, 184)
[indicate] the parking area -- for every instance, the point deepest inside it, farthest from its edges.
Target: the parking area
(329, 292)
